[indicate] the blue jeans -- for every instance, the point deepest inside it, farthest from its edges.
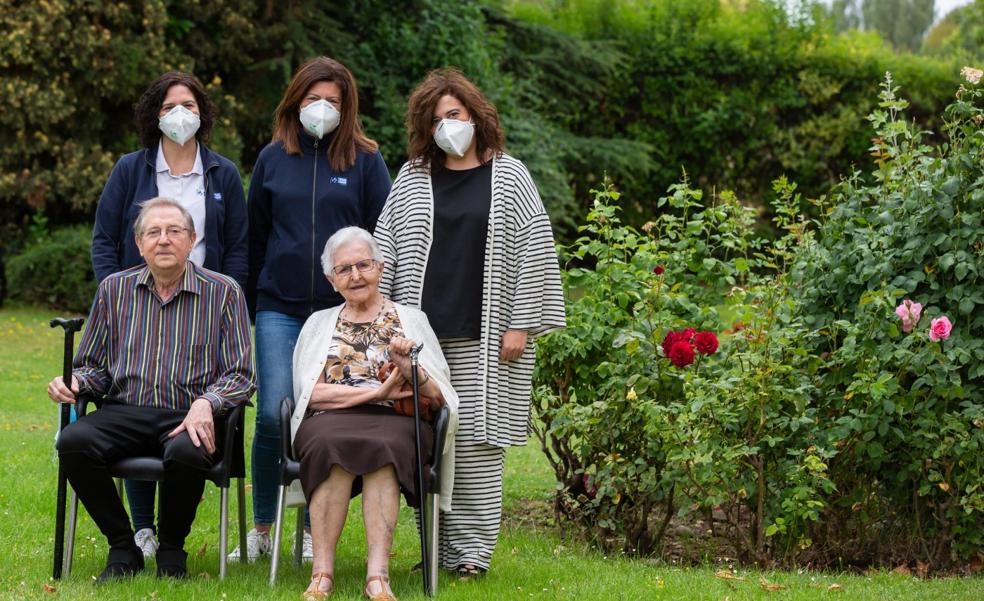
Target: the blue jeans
(276, 335)
(140, 497)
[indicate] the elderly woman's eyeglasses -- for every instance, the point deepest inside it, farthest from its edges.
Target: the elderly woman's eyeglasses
(173, 231)
(346, 270)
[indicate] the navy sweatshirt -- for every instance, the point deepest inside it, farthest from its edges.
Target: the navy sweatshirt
(296, 202)
(134, 180)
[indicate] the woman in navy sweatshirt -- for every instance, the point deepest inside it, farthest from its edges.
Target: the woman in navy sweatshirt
(174, 119)
(320, 173)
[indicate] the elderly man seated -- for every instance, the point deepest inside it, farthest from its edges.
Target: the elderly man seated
(167, 347)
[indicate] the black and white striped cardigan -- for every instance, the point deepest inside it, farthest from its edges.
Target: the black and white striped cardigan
(521, 283)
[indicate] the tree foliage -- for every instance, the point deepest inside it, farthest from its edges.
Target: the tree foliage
(737, 93)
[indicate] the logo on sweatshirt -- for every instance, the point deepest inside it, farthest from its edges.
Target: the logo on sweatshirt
(341, 181)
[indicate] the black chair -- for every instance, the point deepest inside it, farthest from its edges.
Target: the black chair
(290, 470)
(231, 464)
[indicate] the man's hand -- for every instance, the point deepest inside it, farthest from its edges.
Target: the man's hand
(513, 345)
(199, 425)
(59, 393)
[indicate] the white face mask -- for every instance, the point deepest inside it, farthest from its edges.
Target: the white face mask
(179, 124)
(454, 137)
(320, 118)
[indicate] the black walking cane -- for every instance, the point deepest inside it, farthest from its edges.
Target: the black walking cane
(71, 326)
(421, 493)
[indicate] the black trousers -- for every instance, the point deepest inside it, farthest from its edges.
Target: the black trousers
(99, 439)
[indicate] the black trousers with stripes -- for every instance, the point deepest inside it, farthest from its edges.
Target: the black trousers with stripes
(469, 533)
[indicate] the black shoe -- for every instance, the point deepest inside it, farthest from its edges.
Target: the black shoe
(172, 563)
(122, 563)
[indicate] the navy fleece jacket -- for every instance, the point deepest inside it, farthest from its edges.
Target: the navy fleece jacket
(296, 202)
(134, 180)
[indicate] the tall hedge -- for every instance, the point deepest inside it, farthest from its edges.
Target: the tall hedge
(738, 93)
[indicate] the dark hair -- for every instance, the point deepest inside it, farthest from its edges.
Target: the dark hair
(421, 148)
(347, 139)
(146, 113)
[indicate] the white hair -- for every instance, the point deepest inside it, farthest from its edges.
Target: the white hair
(344, 237)
(155, 203)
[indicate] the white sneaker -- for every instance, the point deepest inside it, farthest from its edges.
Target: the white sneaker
(257, 544)
(145, 539)
(307, 548)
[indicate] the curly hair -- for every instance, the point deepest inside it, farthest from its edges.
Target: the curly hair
(147, 110)
(421, 148)
(347, 139)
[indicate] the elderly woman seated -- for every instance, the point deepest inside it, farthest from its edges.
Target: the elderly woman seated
(351, 363)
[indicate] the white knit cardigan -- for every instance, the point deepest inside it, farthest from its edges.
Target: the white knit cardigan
(311, 351)
(521, 284)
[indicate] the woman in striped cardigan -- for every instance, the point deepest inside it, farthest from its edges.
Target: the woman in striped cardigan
(466, 238)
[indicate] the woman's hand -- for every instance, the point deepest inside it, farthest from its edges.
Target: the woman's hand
(391, 388)
(399, 350)
(513, 345)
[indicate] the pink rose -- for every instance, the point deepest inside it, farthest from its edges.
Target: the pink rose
(909, 312)
(939, 329)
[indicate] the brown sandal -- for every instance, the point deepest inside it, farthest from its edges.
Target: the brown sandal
(381, 595)
(317, 594)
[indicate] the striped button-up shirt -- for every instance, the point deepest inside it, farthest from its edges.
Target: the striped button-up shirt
(143, 351)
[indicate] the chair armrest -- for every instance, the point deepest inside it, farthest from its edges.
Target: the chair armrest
(82, 403)
(286, 412)
(441, 424)
(232, 419)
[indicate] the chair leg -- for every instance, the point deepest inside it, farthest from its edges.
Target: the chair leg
(432, 519)
(223, 531)
(277, 529)
(243, 557)
(73, 514)
(299, 537)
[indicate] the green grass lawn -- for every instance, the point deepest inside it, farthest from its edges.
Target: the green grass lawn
(531, 562)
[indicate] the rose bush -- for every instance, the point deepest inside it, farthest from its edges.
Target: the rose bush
(645, 413)
(790, 392)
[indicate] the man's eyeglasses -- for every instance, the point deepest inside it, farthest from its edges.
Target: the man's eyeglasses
(346, 270)
(154, 233)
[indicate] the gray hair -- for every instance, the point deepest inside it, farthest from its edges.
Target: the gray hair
(343, 237)
(156, 203)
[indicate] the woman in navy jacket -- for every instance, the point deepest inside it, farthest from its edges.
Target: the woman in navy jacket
(174, 118)
(320, 173)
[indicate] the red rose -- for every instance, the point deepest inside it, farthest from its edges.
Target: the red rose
(682, 354)
(668, 342)
(689, 334)
(706, 342)
(658, 270)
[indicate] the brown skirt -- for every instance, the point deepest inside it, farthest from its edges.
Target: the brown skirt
(361, 440)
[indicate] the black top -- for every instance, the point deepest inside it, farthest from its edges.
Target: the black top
(452, 294)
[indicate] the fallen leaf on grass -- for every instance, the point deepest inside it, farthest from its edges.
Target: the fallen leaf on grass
(834, 587)
(976, 564)
(921, 569)
(769, 586)
(902, 570)
(201, 552)
(49, 589)
(248, 488)
(728, 575)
